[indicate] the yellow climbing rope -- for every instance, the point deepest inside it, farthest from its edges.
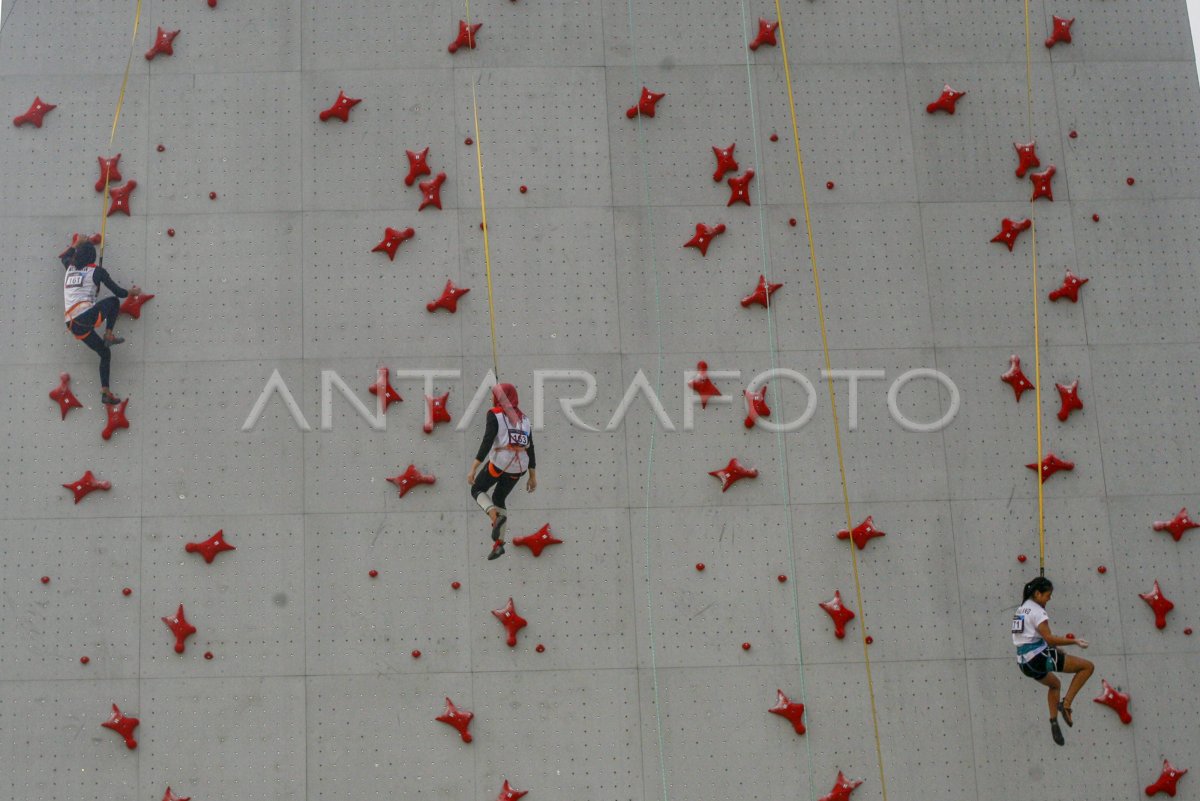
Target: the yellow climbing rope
(112, 137)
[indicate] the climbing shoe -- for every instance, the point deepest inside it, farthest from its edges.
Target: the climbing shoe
(498, 551)
(1066, 713)
(113, 340)
(1056, 732)
(498, 526)
(109, 399)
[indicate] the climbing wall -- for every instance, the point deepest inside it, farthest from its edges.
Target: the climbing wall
(672, 598)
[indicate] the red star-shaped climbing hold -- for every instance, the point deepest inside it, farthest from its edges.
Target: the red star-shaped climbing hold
(180, 627)
(704, 237)
(449, 298)
(410, 478)
(1015, 377)
(1115, 699)
(37, 110)
(87, 484)
(766, 34)
(1177, 525)
(507, 793)
(645, 104)
(702, 384)
(538, 540)
(512, 622)
(1069, 395)
(460, 719)
(436, 411)
(382, 388)
(1166, 780)
(210, 547)
(392, 240)
(123, 725)
(168, 795)
(739, 188)
(108, 171)
(863, 533)
(1010, 229)
(162, 44)
(946, 101)
(791, 710)
(732, 473)
(1061, 32)
(340, 108)
(725, 161)
(756, 405)
(431, 191)
(840, 613)
(416, 165)
(761, 294)
(132, 304)
(466, 36)
(842, 789)
(1070, 288)
(63, 396)
(116, 419)
(1042, 183)
(119, 195)
(1027, 157)
(1159, 603)
(1051, 464)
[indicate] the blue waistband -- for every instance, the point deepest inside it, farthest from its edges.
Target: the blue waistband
(1028, 648)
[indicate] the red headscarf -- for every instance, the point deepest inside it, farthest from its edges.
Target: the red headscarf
(505, 396)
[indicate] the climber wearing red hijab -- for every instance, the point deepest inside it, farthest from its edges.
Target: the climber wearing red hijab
(507, 448)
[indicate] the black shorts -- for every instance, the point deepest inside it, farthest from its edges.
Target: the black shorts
(1044, 663)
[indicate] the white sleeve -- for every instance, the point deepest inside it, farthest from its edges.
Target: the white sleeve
(1035, 618)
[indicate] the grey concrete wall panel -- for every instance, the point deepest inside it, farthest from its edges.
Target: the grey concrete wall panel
(978, 31)
(1121, 32)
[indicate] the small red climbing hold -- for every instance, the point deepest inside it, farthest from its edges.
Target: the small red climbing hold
(392, 239)
(946, 101)
(863, 533)
(1166, 780)
(540, 648)
(460, 719)
(701, 384)
(792, 711)
(63, 396)
(1176, 525)
(1130, 180)
(1117, 700)
(538, 540)
(127, 591)
(162, 44)
(782, 578)
(468, 141)
(436, 411)
(761, 294)
(1095, 218)
(37, 110)
(119, 196)
(116, 419)
(1051, 464)
(1069, 395)
(756, 405)
(870, 640)
(507, 793)
(168, 795)
(700, 567)
(454, 585)
(1074, 134)
(108, 171)
(123, 725)
(704, 237)
(466, 36)
(1061, 32)
(83, 660)
(841, 789)
(449, 298)
(523, 189)
(739, 188)
(410, 478)
(170, 232)
(792, 222)
(88, 483)
(830, 185)
(208, 654)
(1188, 631)
(1102, 570)
(1021, 558)
(1070, 288)
(1027, 157)
(382, 389)
(774, 137)
(416, 654)
(210, 547)
(161, 148)
(745, 646)
(1042, 183)
(1159, 603)
(373, 573)
(840, 613)
(646, 103)
(180, 627)
(45, 579)
(511, 620)
(766, 34)
(732, 473)
(431, 191)
(340, 108)
(1015, 377)
(417, 165)
(132, 305)
(212, 195)
(1009, 230)
(725, 161)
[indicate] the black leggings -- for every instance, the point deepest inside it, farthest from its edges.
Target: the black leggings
(504, 483)
(86, 323)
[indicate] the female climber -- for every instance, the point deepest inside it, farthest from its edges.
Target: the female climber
(84, 313)
(507, 448)
(1038, 654)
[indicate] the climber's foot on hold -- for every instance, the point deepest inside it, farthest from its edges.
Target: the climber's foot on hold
(497, 550)
(1066, 713)
(112, 339)
(1056, 732)
(498, 526)
(108, 398)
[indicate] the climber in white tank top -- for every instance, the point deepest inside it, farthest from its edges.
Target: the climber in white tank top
(507, 447)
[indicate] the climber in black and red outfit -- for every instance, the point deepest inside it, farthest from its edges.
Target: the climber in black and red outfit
(507, 448)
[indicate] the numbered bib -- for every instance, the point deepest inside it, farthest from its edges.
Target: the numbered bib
(1018, 624)
(518, 438)
(73, 280)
